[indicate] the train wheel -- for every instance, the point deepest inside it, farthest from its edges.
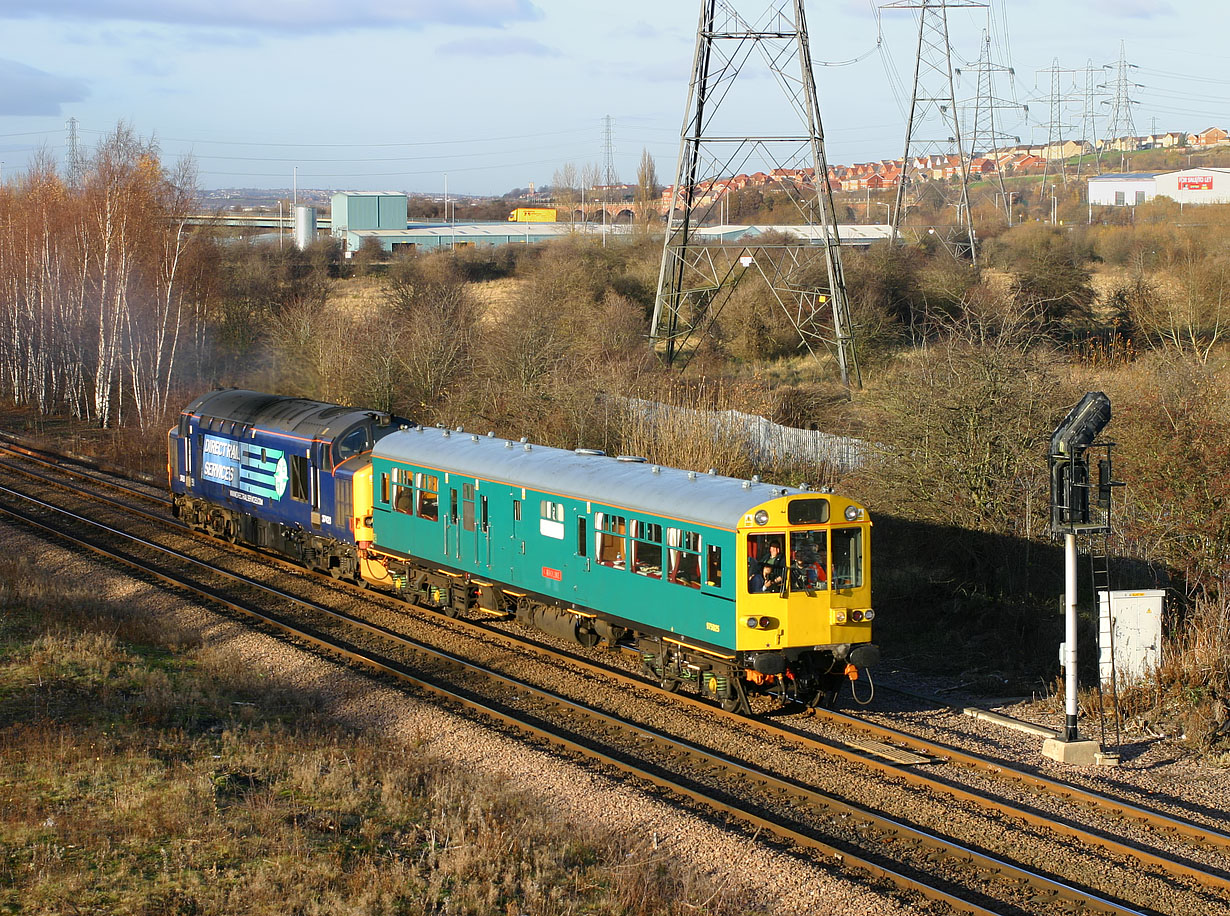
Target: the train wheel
(669, 684)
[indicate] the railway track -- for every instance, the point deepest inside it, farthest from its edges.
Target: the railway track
(768, 797)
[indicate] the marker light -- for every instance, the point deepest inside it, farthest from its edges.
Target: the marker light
(856, 616)
(766, 622)
(752, 623)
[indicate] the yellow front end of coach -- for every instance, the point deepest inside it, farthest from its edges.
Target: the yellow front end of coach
(807, 583)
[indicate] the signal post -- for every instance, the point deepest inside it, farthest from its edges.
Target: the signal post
(1073, 512)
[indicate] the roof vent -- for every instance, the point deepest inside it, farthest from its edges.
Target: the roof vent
(746, 484)
(804, 487)
(447, 434)
(712, 472)
(527, 446)
(490, 434)
(474, 438)
(691, 475)
(755, 478)
(508, 443)
(656, 469)
(588, 451)
(461, 429)
(636, 459)
(525, 439)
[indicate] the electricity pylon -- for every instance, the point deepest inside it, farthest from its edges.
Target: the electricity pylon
(933, 128)
(783, 159)
(1120, 125)
(983, 133)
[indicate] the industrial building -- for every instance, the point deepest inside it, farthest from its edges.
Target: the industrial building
(1127, 189)
(1196, 186)
(1189, 186)
(368, 210)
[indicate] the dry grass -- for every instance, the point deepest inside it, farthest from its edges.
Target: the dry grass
(141, 774)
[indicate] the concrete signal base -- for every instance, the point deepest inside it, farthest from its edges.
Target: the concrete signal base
(1078, 753)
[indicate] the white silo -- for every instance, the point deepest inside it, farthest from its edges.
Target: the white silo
(305, 227)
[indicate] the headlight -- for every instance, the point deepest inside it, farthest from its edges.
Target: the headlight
(761, 517)
(852, 513)
(869, 614)
(839, 615)
(752, 623)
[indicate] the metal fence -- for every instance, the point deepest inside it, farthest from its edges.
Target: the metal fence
(769, 441)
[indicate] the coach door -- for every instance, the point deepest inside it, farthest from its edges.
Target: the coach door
(474, 528)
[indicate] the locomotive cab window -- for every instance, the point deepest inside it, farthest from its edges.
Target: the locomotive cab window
(847, 558)
(353, 443)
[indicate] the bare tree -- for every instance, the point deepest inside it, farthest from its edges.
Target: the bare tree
(647, 189)
(565, 188)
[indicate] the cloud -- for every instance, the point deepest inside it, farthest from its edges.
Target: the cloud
(498, 47)
(26, 91)
(284, 15)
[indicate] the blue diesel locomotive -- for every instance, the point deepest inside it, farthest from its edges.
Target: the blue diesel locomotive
(727, 586)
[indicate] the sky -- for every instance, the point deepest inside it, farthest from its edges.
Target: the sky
(482, 96)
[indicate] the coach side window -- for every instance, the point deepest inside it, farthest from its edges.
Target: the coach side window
(647, 549)
(684, 557)
(428, 486)
(609, 539)
(403, 491)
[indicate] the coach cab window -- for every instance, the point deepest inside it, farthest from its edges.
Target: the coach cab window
(847, 571)
(808, 561)
(766, 563)
(428, 490)
(609, 539)
(353, 443)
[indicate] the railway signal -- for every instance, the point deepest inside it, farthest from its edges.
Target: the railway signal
(1077, 507)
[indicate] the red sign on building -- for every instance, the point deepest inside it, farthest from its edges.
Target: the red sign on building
(1196, 183)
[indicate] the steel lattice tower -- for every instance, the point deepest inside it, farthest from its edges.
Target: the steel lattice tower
(933, 128)
(983, 131)
(1120, 124)
(1089, 126)
(1055, 126)
(74, 163)
(698, 275)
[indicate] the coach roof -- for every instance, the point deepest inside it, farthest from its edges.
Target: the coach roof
(632, 484)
